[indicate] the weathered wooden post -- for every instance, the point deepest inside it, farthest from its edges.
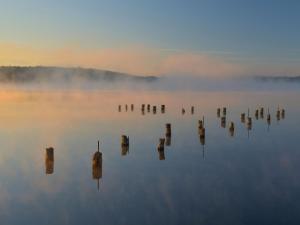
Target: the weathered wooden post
(124, 145)
(126, 107)
(231, 129)
(256, 114)
(161, 149)
(223, 121)
(97, 166)
(224, 111)
(162, 108)
(243, 117)
(278, 114)
(269, 119)
(201, 128)
(182, 111)
(120, 108)
(262, 113)
(249, 123)
(168, 129)
(148, 108)
(132, 107)
(154, 109)
(192, 110)
(49, 160)
(168, 134)
(218, 112)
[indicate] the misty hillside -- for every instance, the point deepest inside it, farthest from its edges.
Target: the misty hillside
(288, 79)
(12, 74)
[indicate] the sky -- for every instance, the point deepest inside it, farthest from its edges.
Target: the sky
(157, 37)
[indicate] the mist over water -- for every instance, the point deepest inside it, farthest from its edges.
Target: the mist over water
(225, 178)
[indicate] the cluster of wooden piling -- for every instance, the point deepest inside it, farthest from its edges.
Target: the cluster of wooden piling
(184, 111)
(126, 108)
(260, 114)
(144, 108)
(166, 141)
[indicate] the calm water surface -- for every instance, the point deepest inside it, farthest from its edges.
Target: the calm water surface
(250, 178)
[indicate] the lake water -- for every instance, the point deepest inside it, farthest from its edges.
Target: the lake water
(250, 178)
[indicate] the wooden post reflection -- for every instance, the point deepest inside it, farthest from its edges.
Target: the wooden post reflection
(282, 113)
(256, 114)
(49, 160)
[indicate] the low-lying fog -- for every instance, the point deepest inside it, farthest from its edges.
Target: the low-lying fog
(52, 78)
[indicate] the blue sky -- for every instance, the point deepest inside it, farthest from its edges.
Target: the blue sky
(265, 31)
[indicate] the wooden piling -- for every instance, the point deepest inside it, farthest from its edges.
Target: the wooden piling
(278, 114)
(243, 117)
(218, 112)
(249, 123)
(223, 121)
(262, 113)
(168, 129)
(49, 160)
(231, 129)
(162, 108)
(97, 165)
(124, 140)
(256, 114)
(154, 109)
